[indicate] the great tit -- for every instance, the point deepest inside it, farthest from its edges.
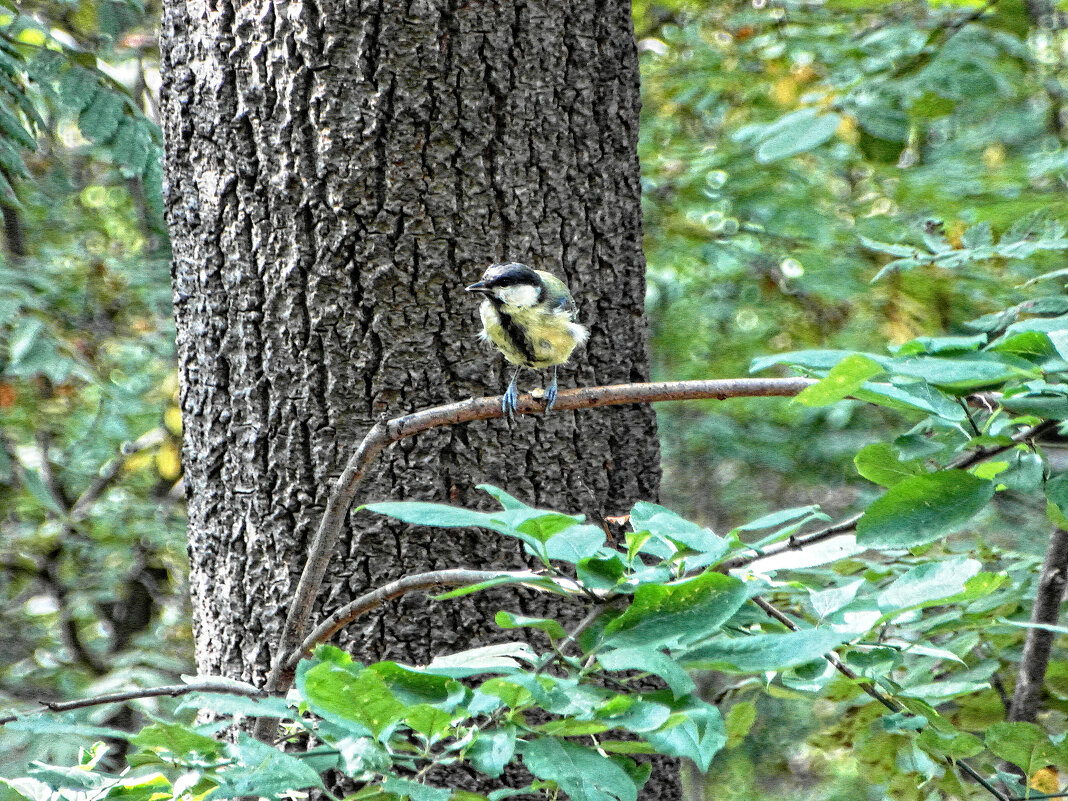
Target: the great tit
(530, 316)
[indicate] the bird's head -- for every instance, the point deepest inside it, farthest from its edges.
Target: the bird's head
(512, 284)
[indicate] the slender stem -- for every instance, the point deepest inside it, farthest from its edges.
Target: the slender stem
(573, 635)
(456, 577)
(172, 690)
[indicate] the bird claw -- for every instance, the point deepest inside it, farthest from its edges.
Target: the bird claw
(550, 397)
(509, 401)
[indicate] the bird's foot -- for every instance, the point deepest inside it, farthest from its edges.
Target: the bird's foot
(550, 395)
(509, 401)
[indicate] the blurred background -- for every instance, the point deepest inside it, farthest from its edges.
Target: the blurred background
(908, 122)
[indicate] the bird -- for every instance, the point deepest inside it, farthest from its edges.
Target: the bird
(530, 316)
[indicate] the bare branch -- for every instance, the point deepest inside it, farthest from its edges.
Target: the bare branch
(1045, 611)
(111, 469)
(172, 690)
(456, 577)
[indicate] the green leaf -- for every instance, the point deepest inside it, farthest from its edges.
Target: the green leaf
(10, 126)
(695, 732)
(176, 739)
(413, 685)
(641, 716)
(652, 661)
(574, 543)
(543, 526)
(430, 721)
(601, 574)
(928, 583)
(922, 508)
(508, 620)
(78, 87)
(739, 721)
(807, 130)
(955, 744)
(1057, 492)
(1025, 745)
(782, 516)
(531, 580)
(965, 372)
(222, 704)
(503, 498)
(492, 750)
(264, 771)
(912, 396)
(507, 657)
(626, 747)
(662, 614)
(761, 652)
(888, 248)
(100, 119)
(71, 778)
(665, 524)
(569, 727)
(359, 755)
(1046, 404)
(879, 463)
(354, 698)
(421, 513)
(810, 359)
(25, 789)
(843, 380)
(824, 602)
(580, 772)
(133, 147)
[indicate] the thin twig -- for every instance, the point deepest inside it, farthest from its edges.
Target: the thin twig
(172, 690)
(80, 509)
(456, 577)
(573, 635)
(868, 686)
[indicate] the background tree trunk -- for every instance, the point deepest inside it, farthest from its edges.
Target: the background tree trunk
(337, 172)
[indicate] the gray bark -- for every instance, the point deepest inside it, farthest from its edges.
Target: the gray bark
(337, 171)
(1031, 675)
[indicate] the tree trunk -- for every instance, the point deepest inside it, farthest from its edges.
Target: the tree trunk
(337, 172)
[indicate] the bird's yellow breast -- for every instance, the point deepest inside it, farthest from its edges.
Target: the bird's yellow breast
(532, 336)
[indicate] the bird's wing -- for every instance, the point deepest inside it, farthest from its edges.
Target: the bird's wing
(560, 299)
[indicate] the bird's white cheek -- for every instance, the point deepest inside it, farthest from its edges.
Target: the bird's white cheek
(523, 295)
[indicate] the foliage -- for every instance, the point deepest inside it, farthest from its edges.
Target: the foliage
(912, 613)
(791, 153)
(92, 553)
(779, 141)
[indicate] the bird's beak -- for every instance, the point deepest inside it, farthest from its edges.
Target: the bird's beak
(479, 286)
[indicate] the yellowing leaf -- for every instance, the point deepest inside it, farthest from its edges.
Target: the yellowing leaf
(137, 462)
(989, 469)
(169, 461)
(1045, 780)
(172, 418)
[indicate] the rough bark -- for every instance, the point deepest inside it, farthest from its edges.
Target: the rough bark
(337, 171)
(1031, 676)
